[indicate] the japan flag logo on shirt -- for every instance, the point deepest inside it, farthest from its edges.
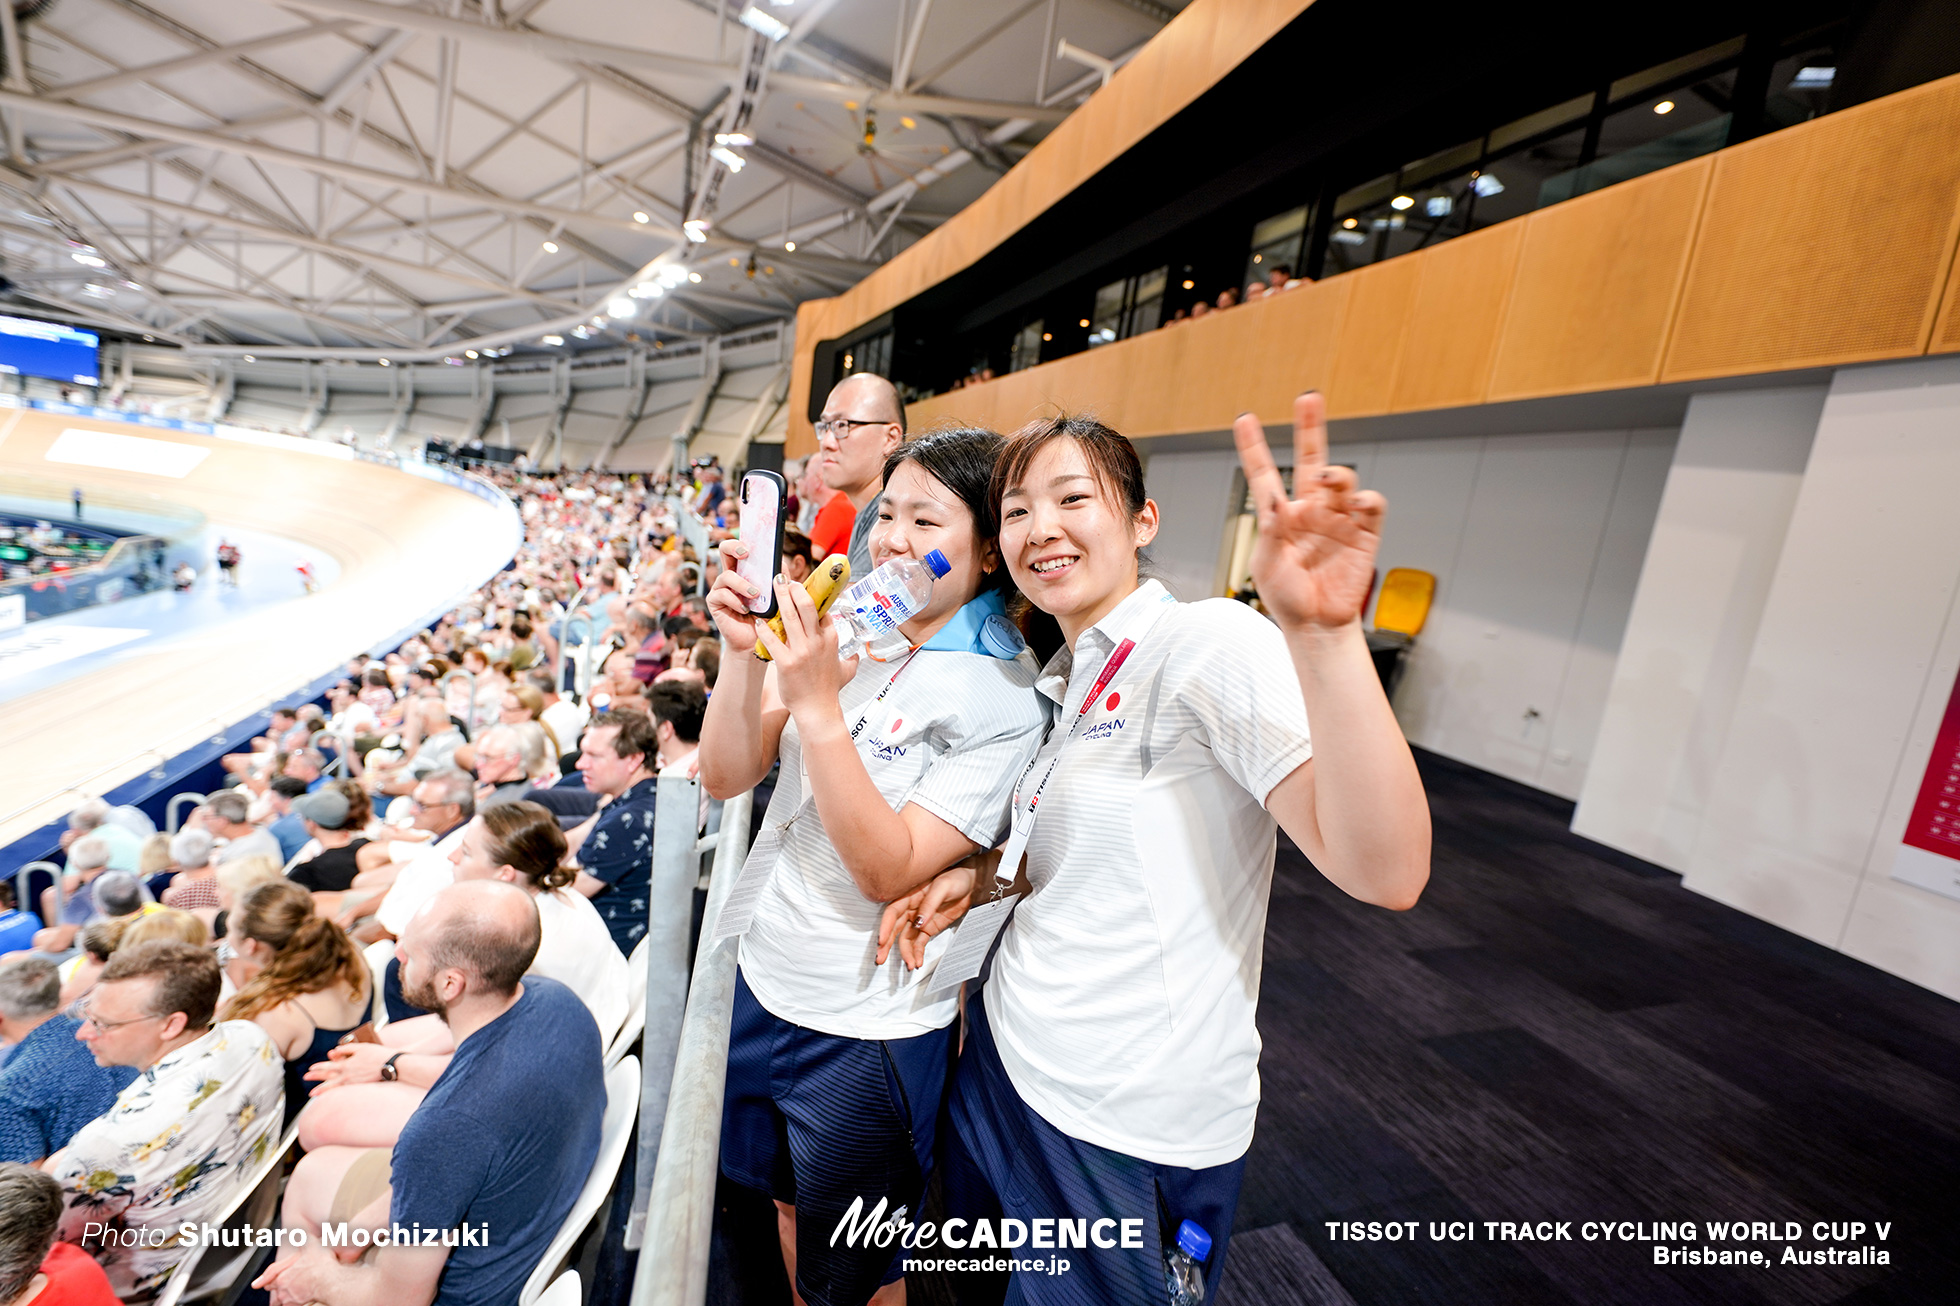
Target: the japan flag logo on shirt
(1109, 704)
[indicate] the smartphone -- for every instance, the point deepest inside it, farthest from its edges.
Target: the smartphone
(761, 528)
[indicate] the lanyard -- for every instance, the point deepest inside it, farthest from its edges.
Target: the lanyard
(865, 716)
(1024, 817)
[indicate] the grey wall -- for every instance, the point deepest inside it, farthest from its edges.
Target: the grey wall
(1536, 543)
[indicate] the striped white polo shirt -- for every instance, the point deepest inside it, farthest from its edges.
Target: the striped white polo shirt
(1123, 994)
(957, 728)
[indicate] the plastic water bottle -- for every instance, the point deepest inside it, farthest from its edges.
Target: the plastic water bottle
(1184, 1273)
(870, 612)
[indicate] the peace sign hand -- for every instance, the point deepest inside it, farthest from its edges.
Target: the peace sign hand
(1314, 563)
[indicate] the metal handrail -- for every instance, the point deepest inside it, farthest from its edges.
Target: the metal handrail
(694, 531)
(564, 638)
(171, 819)
(679, 1198)
(23, 885)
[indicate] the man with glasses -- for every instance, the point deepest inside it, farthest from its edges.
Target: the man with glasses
(443, 803)
(183, 1136)
(862, 422)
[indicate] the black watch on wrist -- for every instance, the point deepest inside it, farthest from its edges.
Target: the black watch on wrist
(388, 1072)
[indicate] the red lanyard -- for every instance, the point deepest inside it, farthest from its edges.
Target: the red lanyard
(1117, 657)
(865, 716)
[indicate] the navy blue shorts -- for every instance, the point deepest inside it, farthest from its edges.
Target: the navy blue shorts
(1000, 1159)
(818, 1121)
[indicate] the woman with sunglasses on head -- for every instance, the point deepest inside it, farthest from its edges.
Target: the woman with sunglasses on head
(1111, 1060)
(891, 772)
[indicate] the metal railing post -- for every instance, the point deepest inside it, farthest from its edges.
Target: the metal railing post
(172, 817)
(670, 914)
(679, 1174)
(24, 886)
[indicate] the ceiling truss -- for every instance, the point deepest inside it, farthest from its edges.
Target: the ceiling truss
(398, 203)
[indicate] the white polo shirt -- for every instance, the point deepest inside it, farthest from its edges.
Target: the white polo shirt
(960, 723)
(1123, 994)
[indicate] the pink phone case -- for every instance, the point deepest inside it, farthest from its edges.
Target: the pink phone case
(762, 530)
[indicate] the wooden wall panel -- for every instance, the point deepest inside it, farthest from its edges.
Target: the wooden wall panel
(1452, 329)
(1816, 244)
(1255, 358)
(1363, 380)
(1192, 53)
(1621, 288)
(1597, 281)
(1946, 327)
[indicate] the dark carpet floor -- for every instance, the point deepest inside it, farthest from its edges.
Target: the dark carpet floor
(1562, 1033)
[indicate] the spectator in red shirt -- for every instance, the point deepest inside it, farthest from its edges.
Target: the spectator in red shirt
(33, 1266)
(831, 531)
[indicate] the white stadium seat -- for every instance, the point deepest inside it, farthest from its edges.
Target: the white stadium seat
(622, 1105)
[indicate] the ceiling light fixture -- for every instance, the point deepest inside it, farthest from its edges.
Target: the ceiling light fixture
(695, 277)
(1047, 335)
(1083, 323)
(1188, 284)
(1350, 224)
(728, 158)
(620, 306)
(551, 340)
(551, 247)
(1814, 79)
(386, 363)
(88, 260)
(734, 138)
(757, 21)
(250, 359)
(469, 353)
(641, 217)
(1401, 202)
(1487, 185)
(789, 247)
(1665, 106)
(696, 229)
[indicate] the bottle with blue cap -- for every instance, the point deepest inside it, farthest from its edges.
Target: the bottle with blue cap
(871, 611)
(1184, 1273)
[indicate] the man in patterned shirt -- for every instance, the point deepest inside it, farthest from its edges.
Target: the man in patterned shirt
(614, 849)
(180, 1139)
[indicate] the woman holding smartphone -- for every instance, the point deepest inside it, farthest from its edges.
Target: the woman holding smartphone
(891, 772)
(1111, 1060)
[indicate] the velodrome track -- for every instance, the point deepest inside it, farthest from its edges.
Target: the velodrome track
(405, 547)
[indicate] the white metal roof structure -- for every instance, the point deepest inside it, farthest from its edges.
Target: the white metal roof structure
(370, 179)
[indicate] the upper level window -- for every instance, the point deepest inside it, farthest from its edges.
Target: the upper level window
(1128, 307)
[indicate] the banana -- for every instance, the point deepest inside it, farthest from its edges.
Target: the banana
(823, 586)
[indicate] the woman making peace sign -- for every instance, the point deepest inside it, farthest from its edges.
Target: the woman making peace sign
(1111, 1064)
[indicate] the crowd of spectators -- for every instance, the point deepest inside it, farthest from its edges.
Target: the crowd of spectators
(474, 800)
(1278, 280)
